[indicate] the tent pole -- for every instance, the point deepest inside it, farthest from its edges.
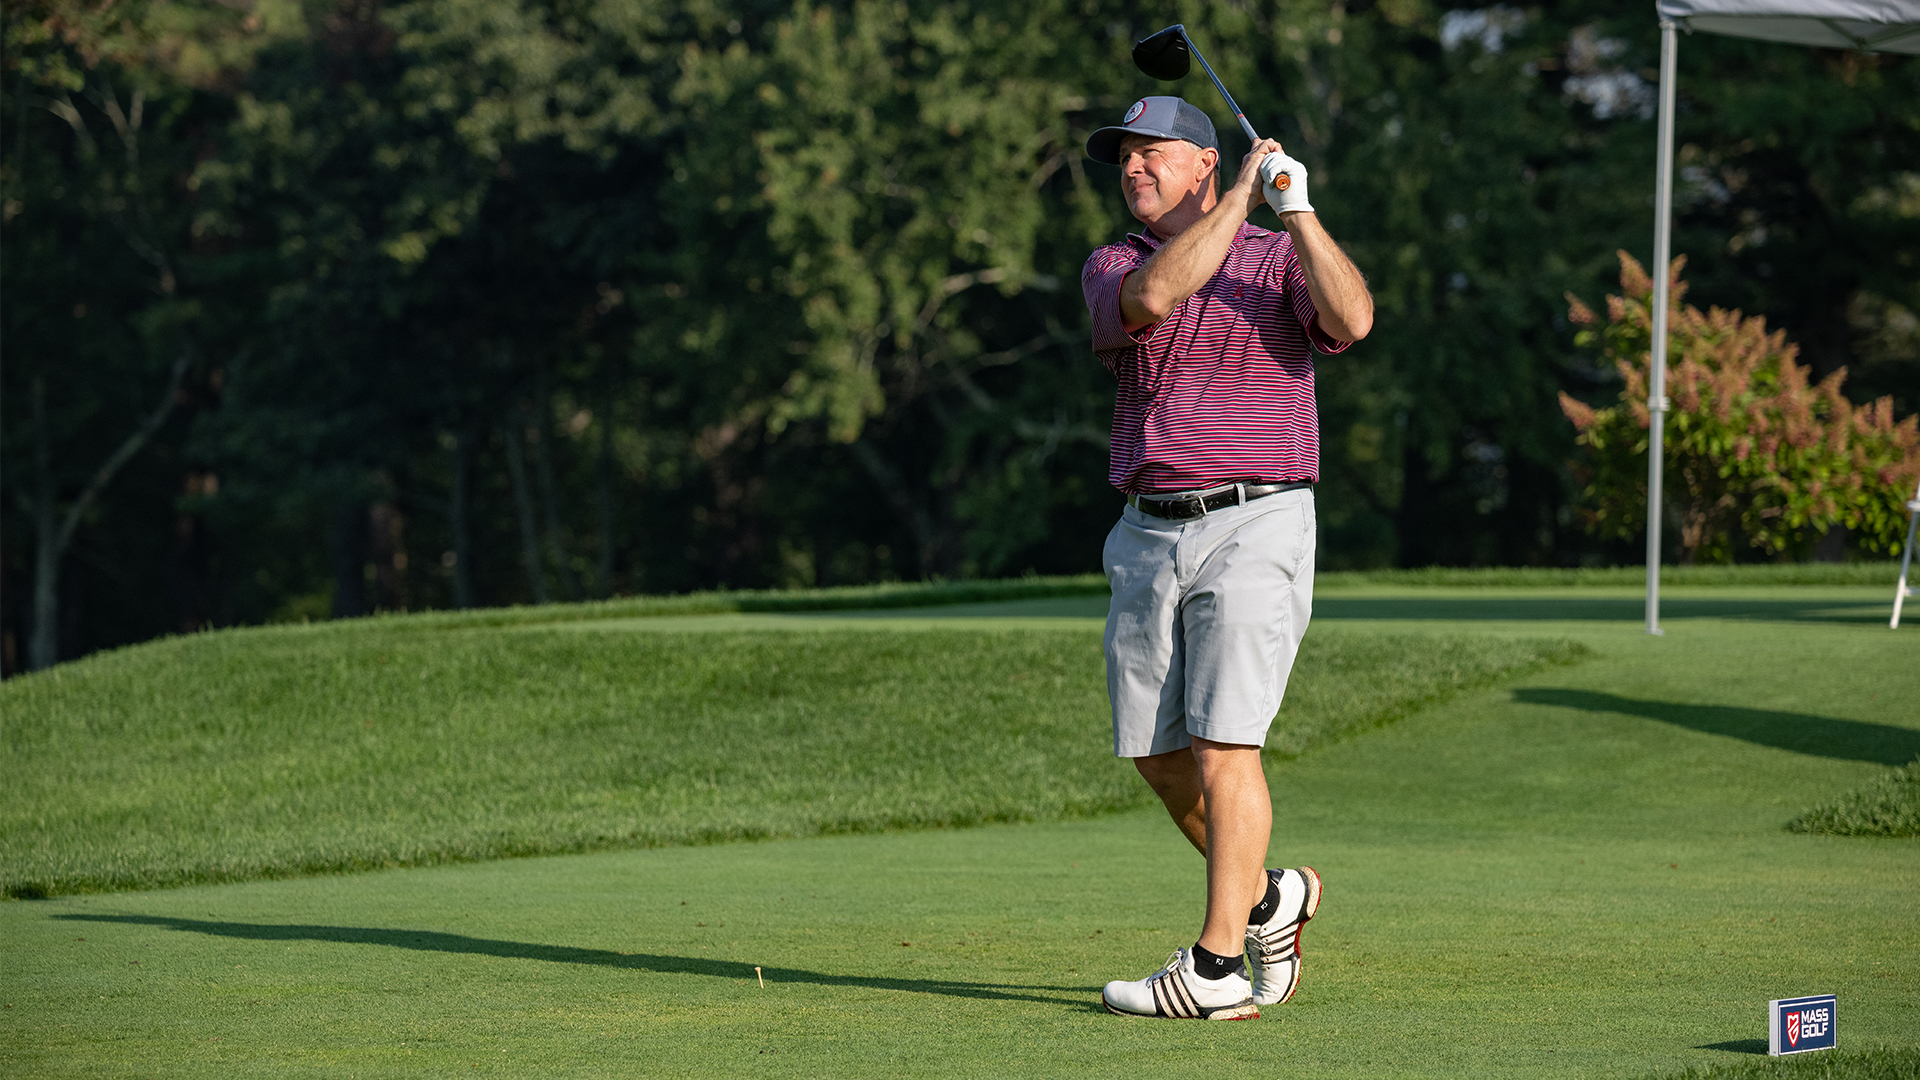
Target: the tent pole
(1657, 374)
(1906, 559)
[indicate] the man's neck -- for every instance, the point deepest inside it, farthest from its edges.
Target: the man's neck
(1182, 217)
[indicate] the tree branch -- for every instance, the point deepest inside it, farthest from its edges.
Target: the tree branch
(121, 456)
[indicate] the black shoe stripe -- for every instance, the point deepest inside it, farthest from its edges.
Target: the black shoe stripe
(1183, 996)
(1162, 999)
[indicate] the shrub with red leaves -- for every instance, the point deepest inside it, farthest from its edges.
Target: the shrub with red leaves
(1756, 455)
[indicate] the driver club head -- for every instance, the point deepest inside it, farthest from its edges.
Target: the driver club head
(1165, 55)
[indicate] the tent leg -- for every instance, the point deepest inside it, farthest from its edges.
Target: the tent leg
(1657, 373)
(1906, 560)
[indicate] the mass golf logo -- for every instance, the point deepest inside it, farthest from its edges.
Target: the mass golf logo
(1797, 1025)
(1133, 113)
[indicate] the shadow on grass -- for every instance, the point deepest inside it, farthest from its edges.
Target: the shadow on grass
(1595, 609)
(1738, 1046)
(1819, 736)
(432, 941)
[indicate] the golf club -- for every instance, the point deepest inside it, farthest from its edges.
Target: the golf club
(1168, 55)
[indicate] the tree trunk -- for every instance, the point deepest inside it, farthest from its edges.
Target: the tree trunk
(1413, 522)
(911, 513)
(191, 564)
(549, 502)
(457, 521)
(388, 532)
(350, 559)
(603, 481)
(43, 650)
(515, 434)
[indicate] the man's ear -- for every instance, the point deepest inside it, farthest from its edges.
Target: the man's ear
(1210, 158)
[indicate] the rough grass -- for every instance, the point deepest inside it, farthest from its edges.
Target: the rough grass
(1890, 806)
(1877, 1063)
(398, 743)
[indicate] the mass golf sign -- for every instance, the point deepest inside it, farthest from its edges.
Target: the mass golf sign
(1797, 1025)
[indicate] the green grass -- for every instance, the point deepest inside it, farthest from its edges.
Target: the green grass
(1580, 871)
(1760, 575)
(943, 593)
(1877, 1063)
(405, 743)
(1890, 806)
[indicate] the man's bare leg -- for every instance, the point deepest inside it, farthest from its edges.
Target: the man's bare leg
(1217, 795)
(1175, 777)
(1239, 825)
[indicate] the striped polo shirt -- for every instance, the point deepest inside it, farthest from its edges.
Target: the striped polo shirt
(1222, 388)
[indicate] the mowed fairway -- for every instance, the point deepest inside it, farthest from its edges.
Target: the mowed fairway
(1581, 872)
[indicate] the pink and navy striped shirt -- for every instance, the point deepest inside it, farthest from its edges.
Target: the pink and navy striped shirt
(1222, 388)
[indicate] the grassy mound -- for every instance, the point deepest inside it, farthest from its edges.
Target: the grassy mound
(1889, 806)
(1878, 1063)
(938, 593)
(405, 742)
(838, 598)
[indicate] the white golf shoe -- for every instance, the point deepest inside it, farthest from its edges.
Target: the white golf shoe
(1273, 947)
(1177, 993)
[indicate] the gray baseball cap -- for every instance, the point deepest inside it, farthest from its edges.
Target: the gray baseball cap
(1157, 118)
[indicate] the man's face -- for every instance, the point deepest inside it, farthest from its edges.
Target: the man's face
(1157, 175)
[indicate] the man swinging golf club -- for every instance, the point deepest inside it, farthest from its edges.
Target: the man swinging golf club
(1209, 324)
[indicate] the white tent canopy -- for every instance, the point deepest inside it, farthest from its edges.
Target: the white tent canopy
(1869, 25)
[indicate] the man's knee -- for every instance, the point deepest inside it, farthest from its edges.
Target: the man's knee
(1216, 759)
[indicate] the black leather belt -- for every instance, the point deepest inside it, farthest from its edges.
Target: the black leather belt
(1193, 504)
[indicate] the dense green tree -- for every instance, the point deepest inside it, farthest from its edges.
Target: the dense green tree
(105, 314)
(495, 301)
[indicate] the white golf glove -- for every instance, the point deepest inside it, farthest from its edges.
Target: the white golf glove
(1291, 196)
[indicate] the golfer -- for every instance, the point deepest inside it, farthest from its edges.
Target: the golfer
(1209, 324)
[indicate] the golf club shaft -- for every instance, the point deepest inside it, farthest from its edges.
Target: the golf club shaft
(1218, 85)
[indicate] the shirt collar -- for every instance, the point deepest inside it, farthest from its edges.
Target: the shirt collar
(1146, 241)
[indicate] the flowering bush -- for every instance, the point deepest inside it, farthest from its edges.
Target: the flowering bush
(1756, 455)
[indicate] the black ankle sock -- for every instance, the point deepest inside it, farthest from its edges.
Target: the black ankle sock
(1268, 904)
(1213, 966)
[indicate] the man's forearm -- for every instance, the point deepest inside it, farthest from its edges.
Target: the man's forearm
(1181, 267)
(1339, 293)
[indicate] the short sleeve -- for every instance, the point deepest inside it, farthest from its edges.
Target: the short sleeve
(1302, 302)
(1100, 280)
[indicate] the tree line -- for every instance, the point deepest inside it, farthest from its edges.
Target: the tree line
(319, 308)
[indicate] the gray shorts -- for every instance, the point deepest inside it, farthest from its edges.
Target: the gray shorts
(1206, 618)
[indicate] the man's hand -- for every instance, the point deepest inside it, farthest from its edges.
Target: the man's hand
(1283, 180)
(1248, 186)
(1343, 307)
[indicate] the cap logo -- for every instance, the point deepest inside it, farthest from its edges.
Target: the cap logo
(1134, 113)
